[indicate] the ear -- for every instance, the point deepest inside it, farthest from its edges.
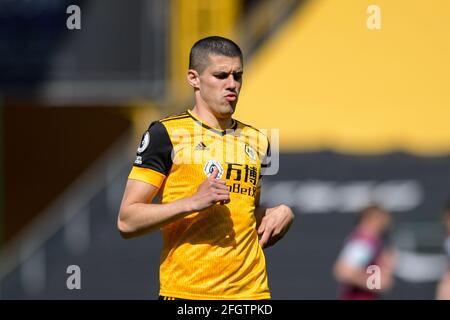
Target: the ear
(193, 78)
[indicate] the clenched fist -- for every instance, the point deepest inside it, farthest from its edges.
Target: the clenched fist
(210, 192)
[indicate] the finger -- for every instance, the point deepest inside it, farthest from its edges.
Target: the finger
(214, 174)
(221, 197)
(272, 240)
(222, 192)
(265, 238)
(223, 202)
(220, 186)
(262, 227)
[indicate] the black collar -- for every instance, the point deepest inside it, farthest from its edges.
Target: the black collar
(218, 131)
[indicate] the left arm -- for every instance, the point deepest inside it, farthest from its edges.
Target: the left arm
(272, 223)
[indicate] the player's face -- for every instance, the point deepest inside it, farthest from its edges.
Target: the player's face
(220, 84)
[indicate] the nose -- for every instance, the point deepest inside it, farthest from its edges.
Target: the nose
(231, 82)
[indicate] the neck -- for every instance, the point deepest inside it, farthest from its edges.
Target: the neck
(207, 116)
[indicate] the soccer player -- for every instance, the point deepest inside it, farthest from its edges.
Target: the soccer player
(443, 288)
(364, 248)
(206, 168)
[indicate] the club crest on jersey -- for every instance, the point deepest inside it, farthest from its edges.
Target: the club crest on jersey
(209, 168)
(250, 152)
(144, 143)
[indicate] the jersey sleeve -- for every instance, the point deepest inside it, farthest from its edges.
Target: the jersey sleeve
(154, 156)
(357, 253)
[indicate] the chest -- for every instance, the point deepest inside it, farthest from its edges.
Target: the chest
(236, 158)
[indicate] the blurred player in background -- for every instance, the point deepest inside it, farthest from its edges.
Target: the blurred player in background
(363, 248)
(443, 288)
(213, 226)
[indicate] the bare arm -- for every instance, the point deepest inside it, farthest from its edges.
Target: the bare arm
(356, 276)
(137, 215)
(443, 288)
(347, 274)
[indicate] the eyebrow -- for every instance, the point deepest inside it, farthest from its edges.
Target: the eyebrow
(220, 72)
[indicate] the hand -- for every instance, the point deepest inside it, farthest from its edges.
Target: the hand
(274, 225)
(210, 192)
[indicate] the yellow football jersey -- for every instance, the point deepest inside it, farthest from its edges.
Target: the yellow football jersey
(214, 253)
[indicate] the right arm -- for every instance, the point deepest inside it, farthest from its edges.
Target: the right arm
(350, 267)
(357, 277)
(443, 288)
(346, 273)
(137, 215)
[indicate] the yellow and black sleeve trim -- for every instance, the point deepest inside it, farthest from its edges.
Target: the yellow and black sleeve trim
(155, 155)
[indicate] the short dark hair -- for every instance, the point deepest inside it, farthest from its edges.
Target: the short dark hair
(214, 45)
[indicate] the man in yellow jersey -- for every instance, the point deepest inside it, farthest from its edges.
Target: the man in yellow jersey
(206, 168)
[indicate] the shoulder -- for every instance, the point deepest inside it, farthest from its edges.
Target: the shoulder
(163, 125)
(248, 128)
(179, 116)
(178, 121)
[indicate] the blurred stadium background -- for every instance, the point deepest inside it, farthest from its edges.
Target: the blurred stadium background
(363, 115)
